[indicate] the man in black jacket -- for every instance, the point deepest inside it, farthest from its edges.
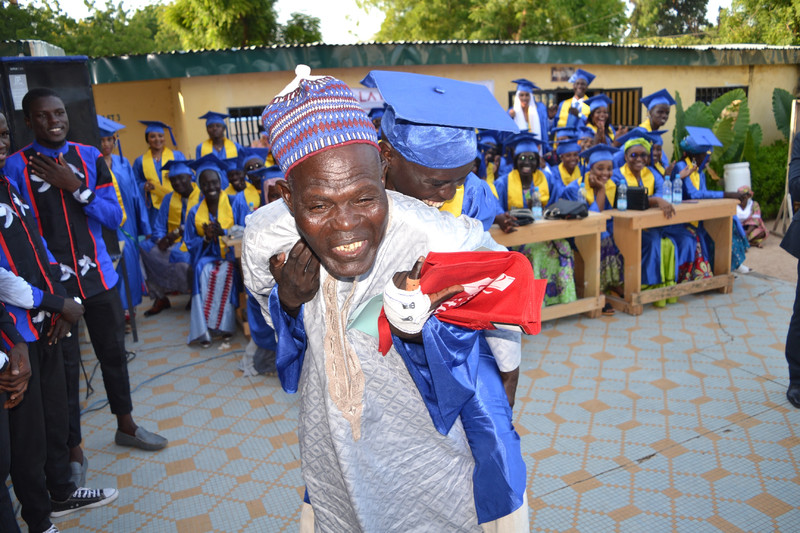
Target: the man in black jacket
(791, 243)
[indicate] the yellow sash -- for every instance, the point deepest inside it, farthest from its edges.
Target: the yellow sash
(174, 219)
(224, 217)
(252, 196)
(230, 148)
(563, 111)
(455, 204)
(611, 192)
(648, 180)
(646, 125)
(119, 197)
(515, 195)
(660, 168)
(569, 178)
(161, 183)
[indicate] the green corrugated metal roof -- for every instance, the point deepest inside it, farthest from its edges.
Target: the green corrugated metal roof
(392, 54)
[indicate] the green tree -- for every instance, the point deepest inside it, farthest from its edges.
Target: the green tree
(661, 18)
(775, 22)
(301, 29)
(27, 22)
(223, 24)
(568, 20)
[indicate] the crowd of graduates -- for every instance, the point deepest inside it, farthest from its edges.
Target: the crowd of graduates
(177, 215)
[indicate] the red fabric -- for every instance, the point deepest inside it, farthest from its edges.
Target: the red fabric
(499, 288)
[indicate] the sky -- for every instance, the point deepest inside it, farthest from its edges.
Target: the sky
(342, 21)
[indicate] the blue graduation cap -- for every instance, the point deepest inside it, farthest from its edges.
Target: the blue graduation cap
(699, 140)
(376, 112)
(565, 146)
(246, 154)
(584, 132)
(656, 136)
(212, 117)
(524, 85)
(599, 152)
(489, 137)
(425, 119)
(107, 126)
(268, 173)
(176, 167)
(658, 97)
(564, 131)
(581, 74)
(158, 127)
(597, 101)
(209, 162)
(635, 133)
(524, 142)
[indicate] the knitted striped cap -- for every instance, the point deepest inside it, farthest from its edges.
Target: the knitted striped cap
(312, 114)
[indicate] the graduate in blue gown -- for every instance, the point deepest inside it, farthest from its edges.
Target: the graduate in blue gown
(149, 167)
(574, 111)
(217, 143)
(658, 107)
(136, 224)
(529, 115)
(696, 148)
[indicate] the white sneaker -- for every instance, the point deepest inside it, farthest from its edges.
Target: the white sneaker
(53, 529)
(743, 269)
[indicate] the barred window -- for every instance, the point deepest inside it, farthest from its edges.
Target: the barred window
(244, 124)
(709, 94)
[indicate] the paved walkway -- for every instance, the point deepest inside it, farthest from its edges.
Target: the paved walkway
(675, 420)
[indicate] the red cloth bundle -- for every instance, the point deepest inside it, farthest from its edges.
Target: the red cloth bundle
(500, 291)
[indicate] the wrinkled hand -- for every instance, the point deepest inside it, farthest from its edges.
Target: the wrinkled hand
(507, 222)
(405, 280)
(297, 276)
(14, 380)
(57, 174)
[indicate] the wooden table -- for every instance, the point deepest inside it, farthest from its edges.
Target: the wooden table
(717, 217)
(586, 233)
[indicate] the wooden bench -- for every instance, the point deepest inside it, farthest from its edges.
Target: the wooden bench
(717, 217)
(586, 233)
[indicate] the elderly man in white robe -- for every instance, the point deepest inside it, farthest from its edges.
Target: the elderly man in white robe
(380, 451)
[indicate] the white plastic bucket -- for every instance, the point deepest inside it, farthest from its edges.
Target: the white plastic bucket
(736, 175)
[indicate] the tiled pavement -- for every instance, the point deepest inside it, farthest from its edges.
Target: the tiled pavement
(675, 420)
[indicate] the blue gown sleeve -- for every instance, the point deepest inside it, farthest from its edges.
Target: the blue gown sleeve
(701, 193)
(103, 205)
(292, 343)
(197, 151)
(658, 186)
(444, 368)
(556, 187)
(240, 208)
(160, 226)
(501, 185)
(479, 201)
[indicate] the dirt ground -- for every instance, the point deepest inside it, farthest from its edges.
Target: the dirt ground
(772, 260)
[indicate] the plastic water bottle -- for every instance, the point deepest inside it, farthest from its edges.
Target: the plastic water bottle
(582, 194)
(622, 197)
(536, 205)
(251, 207)
(677, 190)
(667, 191)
